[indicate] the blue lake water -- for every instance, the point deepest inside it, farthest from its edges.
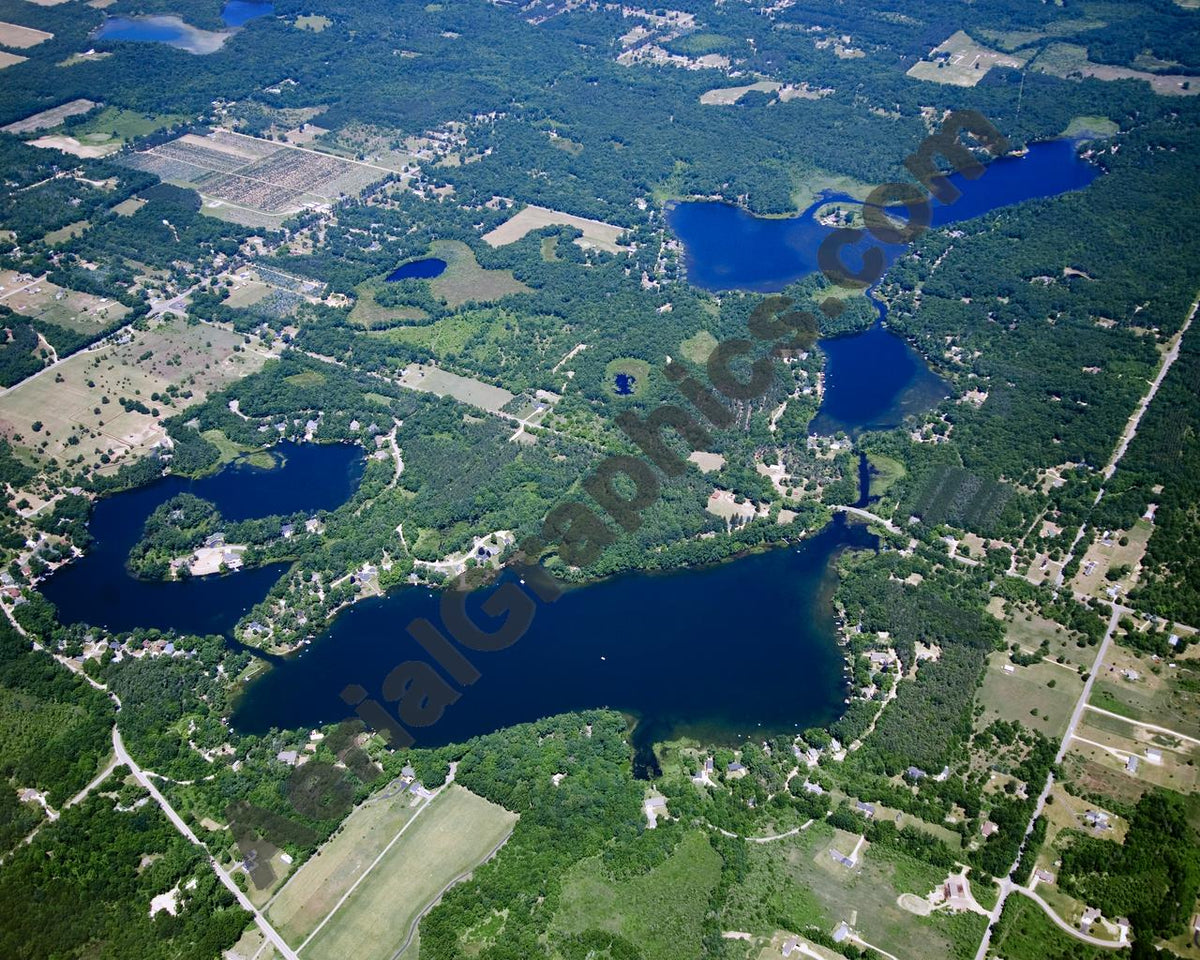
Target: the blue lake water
(624, 383)
(174, 32)
(418, 270)
(98, 589)
(738, 649)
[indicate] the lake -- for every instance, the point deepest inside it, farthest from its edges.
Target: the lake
(98, 589)
(418, 270)
(175, 32)
(874, 379)
(737, 649)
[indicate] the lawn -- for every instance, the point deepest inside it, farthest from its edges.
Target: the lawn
(453, 835)
(661, 911)
(314, 890)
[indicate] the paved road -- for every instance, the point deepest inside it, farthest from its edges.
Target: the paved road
(868, 515)
(177, 821)
(1066, 927)
(1006, 884)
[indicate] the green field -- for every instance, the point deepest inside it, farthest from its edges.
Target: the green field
(323, 880)
(660, 911)
(464, 280)
(1012, 696)
(885, 471)
(454, 834)
(1026, 933)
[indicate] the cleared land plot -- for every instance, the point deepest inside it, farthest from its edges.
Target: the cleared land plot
(452, 836)
(1166, 695)
(661, 911)
(1109, 554)
(10, 59)
(253, 174)
(727, 96)
(21, 38)
(465, 281)
(798, 878)
(443, 383)
(1012, 696)
(1112, 750)
(316, 888)
(68, 408)
(596, 233)
(47, 119)
(1066, 59)
(1029, 630)
(961, 62)
(80, 312)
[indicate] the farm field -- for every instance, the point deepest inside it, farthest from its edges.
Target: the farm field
(456, 833)
(322, 881)
(71, 402)
(431, 379)
(464, 280)
(10, 59)
(47, 119)
(17, 37)
(661, 911)
(255, 175)
(596, 233)
(961, 62)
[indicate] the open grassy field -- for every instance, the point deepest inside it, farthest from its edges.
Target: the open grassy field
(17, 37)
(961, 62)
(453, 835)
(48, 119)
(116, 126)
(430, 379)
(464, 280)
(1065, 59)
(1099, 739)
(1092, 126)
(320, 883)
(596, 233)
(80, 398)
(885, 471)
(1121, 552)
(81, 312)
(1013, 696)
(1029, 628)
(1161, 694)
(369, 314)
(660, 911)
(726, 96)
(795, 880)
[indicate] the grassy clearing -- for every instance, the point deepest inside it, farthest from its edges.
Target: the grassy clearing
(635, 374)
(884, 472)
(699, 347)
(430, 379)
(661, 911)
(727, 96)
(1014, 696)
(1092, 126)
(115, 125)
(1161, 694)
(1121, 559)
(314, 22)
(464, 280)
(80, 312)
(369, 314)
(69, 232)
(797, 881)
(1029, 630)
(314, 890)
(961, 62)
(454, 834)
(1068, 59)
(232, 451)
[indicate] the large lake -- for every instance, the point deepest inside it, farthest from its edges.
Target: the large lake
(873, 380)
(175, 32)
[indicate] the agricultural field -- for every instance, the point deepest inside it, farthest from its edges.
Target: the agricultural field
(17, 37)
(313, 891)
(76, 410)
(259, 176)
(48, 119)
(661, 911)
(1048, 688)
(596, 233)
(10, 59)
(961, 62)
(727, 96)
(443, 383)
(1067, 59)
(453, 835)
(798, 881)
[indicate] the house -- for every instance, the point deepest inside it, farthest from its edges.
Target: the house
(1097, 819)
(287, 756)
(215, 540)
(866, 809)
(914, 773)
(1131, 764)
(1044, 876)
(1153, 756)
(790, 946)
(1173, 640)
(312, 525)
(988, 828)
(286, 530)
(1009, 668)
(941, 777)
(735, 767)
(1090, 916)
(810, 787)
(708, 765)
(841, 932)
(955, 888)
(1129, 674)
(841, 858)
